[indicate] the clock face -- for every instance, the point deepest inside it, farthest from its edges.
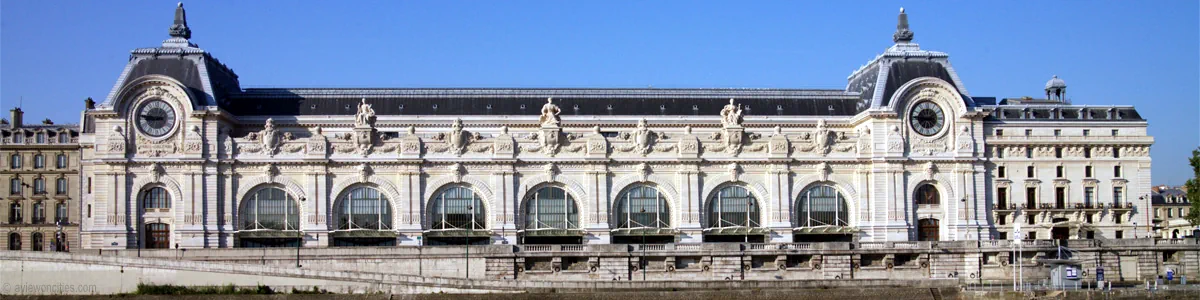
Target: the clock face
(927, 118)
(156, 118)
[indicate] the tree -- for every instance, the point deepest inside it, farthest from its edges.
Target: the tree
(1193, 188)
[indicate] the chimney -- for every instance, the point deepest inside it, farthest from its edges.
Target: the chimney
(16, 116)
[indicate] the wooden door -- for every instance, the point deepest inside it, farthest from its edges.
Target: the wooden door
(927, 230)
(158, 236)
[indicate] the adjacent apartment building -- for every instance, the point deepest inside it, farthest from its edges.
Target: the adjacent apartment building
(41, 196)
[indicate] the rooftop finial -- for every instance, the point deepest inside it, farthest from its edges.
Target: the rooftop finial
(902, 35)
(180, 29)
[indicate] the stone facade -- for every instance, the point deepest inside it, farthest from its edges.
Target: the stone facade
(1171, 207)
(187, 158)
(41, 171)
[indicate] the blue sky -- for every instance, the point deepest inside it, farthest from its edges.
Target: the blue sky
(53, 54)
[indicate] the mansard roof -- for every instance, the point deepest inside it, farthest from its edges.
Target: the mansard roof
(528, 101)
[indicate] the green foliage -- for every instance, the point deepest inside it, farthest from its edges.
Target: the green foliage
(314, 290)
(1193, 188)
(169, 289)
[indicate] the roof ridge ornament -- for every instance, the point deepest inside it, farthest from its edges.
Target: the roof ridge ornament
(903, 34)
(180, 29)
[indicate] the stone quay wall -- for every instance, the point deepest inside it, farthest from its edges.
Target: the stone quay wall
(1130, 260)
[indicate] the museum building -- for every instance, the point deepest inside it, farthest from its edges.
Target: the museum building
(183, 157)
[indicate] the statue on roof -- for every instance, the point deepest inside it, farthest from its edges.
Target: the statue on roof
(731, 115)
(550, 112)
(365, 116)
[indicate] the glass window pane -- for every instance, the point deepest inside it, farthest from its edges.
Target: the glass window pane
(641, 206)
(733, 206)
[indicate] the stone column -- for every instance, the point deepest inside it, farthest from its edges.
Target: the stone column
(691, 203)
(505, 204)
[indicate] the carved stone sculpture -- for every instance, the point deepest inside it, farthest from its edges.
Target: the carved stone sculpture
(365, 116)
(731, 115)
(550, 112)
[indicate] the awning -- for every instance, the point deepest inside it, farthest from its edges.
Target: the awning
(640, 231)
(828, 229)
(552, 232)
(268, 234)
(457, 232)
(363, 233)
(737, 230)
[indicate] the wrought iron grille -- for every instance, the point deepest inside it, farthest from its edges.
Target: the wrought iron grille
(270, 209)
(642, 206)
(821, 205)
(733, 206)
(364, 208)
(457, 208)
(551, 207)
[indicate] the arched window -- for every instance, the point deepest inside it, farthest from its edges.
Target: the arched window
(364, 208)
(551, 207)
(821, 205)
(14, 241)
(14, 186)
(927, 194)
(733, 206)
(39, 161)
(14, 213)
(269, 208)
(640, 207)
(39, 213)
(156, 197)
(35, 241)
(60, 186)
(14, 161)
(40, 137)
(61, 161)
(457, 207)
(60, 213)
(39, 186)
(18, 137)
(64, 137)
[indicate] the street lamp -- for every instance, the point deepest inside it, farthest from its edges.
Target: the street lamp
(470, 226)
(299, 243)
(644, 262)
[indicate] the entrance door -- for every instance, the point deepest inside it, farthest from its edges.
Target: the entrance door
(927, 230)
(158, 236)
(1060, 233)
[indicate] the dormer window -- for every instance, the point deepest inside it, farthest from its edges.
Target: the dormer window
(40, 138)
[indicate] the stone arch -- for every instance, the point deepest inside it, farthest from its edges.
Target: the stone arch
(142, 183)
(294, 192)
(160, 87)
(382, 184)
(480, 188)
(837, 181)
(759, 192)
(758, 188)
(252, 183)
(133, 91)
(662, 183)
(572, 187)
(946, 94)
(944, 184)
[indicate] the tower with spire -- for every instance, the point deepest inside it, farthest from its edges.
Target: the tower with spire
(182, 60)
(902, 35)
(902, 62)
